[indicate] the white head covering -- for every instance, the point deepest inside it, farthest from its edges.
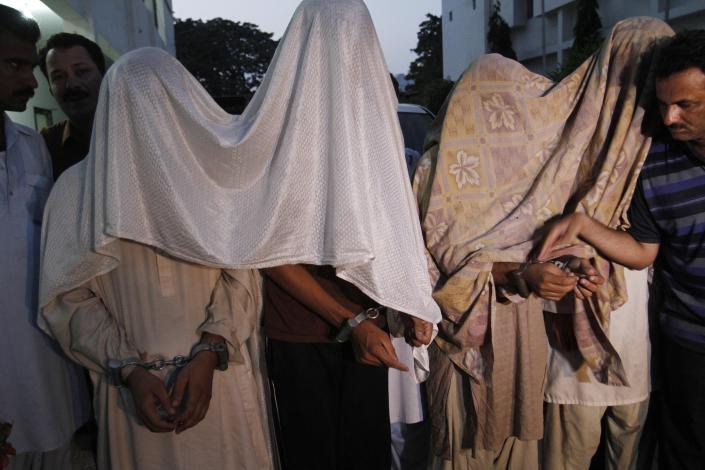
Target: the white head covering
(312, 172)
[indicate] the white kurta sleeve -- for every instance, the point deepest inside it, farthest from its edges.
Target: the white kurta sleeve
(234, 309)
(86, 331)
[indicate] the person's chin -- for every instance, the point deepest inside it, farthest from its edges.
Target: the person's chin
(17, 107)
(76, 108)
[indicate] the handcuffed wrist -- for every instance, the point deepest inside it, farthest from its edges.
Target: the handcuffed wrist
(348, 325)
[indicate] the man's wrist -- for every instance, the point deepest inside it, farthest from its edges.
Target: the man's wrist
(207, 358)
(351, 324)
(131, 373)
(217, 348)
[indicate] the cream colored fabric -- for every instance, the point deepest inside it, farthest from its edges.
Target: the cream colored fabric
(629, 334)
(312, 172)
(573, 435)
(152, 306)
(509, 151)
(511, 454)
(515, 150)
(471, 416)
(57, 459)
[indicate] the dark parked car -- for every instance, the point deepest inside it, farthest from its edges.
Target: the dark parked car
(415, 121)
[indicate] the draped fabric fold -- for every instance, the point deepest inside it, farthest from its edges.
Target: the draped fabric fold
(513, 150)
(312, 172)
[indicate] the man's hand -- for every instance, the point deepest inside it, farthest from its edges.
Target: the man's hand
(564, 232)
(417, 332)
(590, 278)
(548, 282)
(372, 346)
(147, 392)
(193, 388)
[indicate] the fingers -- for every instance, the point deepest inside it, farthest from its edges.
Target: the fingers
(549, 241)
(424, 332)
(177, 393)
(386, 354)
(163, 398)
(586, 284)
(582, 293)
(563, 232)
(419, 336)
(560, 282)
(417, 332)
(196, 395)
(579, 293)
(381, 355)
(587, 268)
(196, 409)
(149, 413)
(154, 422)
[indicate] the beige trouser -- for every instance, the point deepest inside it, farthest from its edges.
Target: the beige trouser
(514, 454)
(58, 459)
(572, 435)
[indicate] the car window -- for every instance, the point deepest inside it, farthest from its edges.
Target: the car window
(414, 127)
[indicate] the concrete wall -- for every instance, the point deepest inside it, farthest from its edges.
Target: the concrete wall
(560, 16)
(464, 35)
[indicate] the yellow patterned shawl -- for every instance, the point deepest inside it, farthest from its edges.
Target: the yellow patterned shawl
(516, 150)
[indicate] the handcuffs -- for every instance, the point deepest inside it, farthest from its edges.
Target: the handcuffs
(115, 366)
(517, 276)
(346, 329)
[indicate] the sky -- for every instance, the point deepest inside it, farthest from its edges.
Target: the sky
(397, 21)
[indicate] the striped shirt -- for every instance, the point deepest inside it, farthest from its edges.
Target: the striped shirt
(669, 208)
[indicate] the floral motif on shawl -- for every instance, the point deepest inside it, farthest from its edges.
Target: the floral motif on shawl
(514, 150)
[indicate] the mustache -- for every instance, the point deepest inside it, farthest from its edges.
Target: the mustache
(75, 94)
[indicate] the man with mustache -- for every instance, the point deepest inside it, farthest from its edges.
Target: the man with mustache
(38, 385)
(667, 216)
(74, 66)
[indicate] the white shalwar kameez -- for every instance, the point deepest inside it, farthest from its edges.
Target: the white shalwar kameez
(153, 307)
(41, 392)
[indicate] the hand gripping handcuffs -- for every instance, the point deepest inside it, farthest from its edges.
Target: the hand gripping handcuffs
(346, 329)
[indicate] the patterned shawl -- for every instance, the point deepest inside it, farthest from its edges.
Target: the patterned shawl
(514, 151)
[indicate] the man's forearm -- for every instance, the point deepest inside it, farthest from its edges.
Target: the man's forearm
(617, 245)
(298, 282)
(500, 273)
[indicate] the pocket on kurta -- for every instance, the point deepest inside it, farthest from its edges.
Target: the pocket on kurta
(38, 187)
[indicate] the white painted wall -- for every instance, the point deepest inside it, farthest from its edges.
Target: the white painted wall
(464, 36)
(466, 27)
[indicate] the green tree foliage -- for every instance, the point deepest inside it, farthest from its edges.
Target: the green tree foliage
(588, 38)
(499, 39)
(228, 58)
(428, 87)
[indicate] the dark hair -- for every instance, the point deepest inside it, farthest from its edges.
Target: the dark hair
(66, 40)
(15, 23)
(683, 51)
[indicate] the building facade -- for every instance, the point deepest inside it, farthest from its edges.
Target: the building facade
(542, 40)
(118, 26)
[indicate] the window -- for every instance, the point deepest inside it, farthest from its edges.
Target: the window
(474, 4)
(156, 16)
(529, 9)
(42, 118)
(450, 15)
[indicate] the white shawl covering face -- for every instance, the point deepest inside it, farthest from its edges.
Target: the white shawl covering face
(312, 172)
